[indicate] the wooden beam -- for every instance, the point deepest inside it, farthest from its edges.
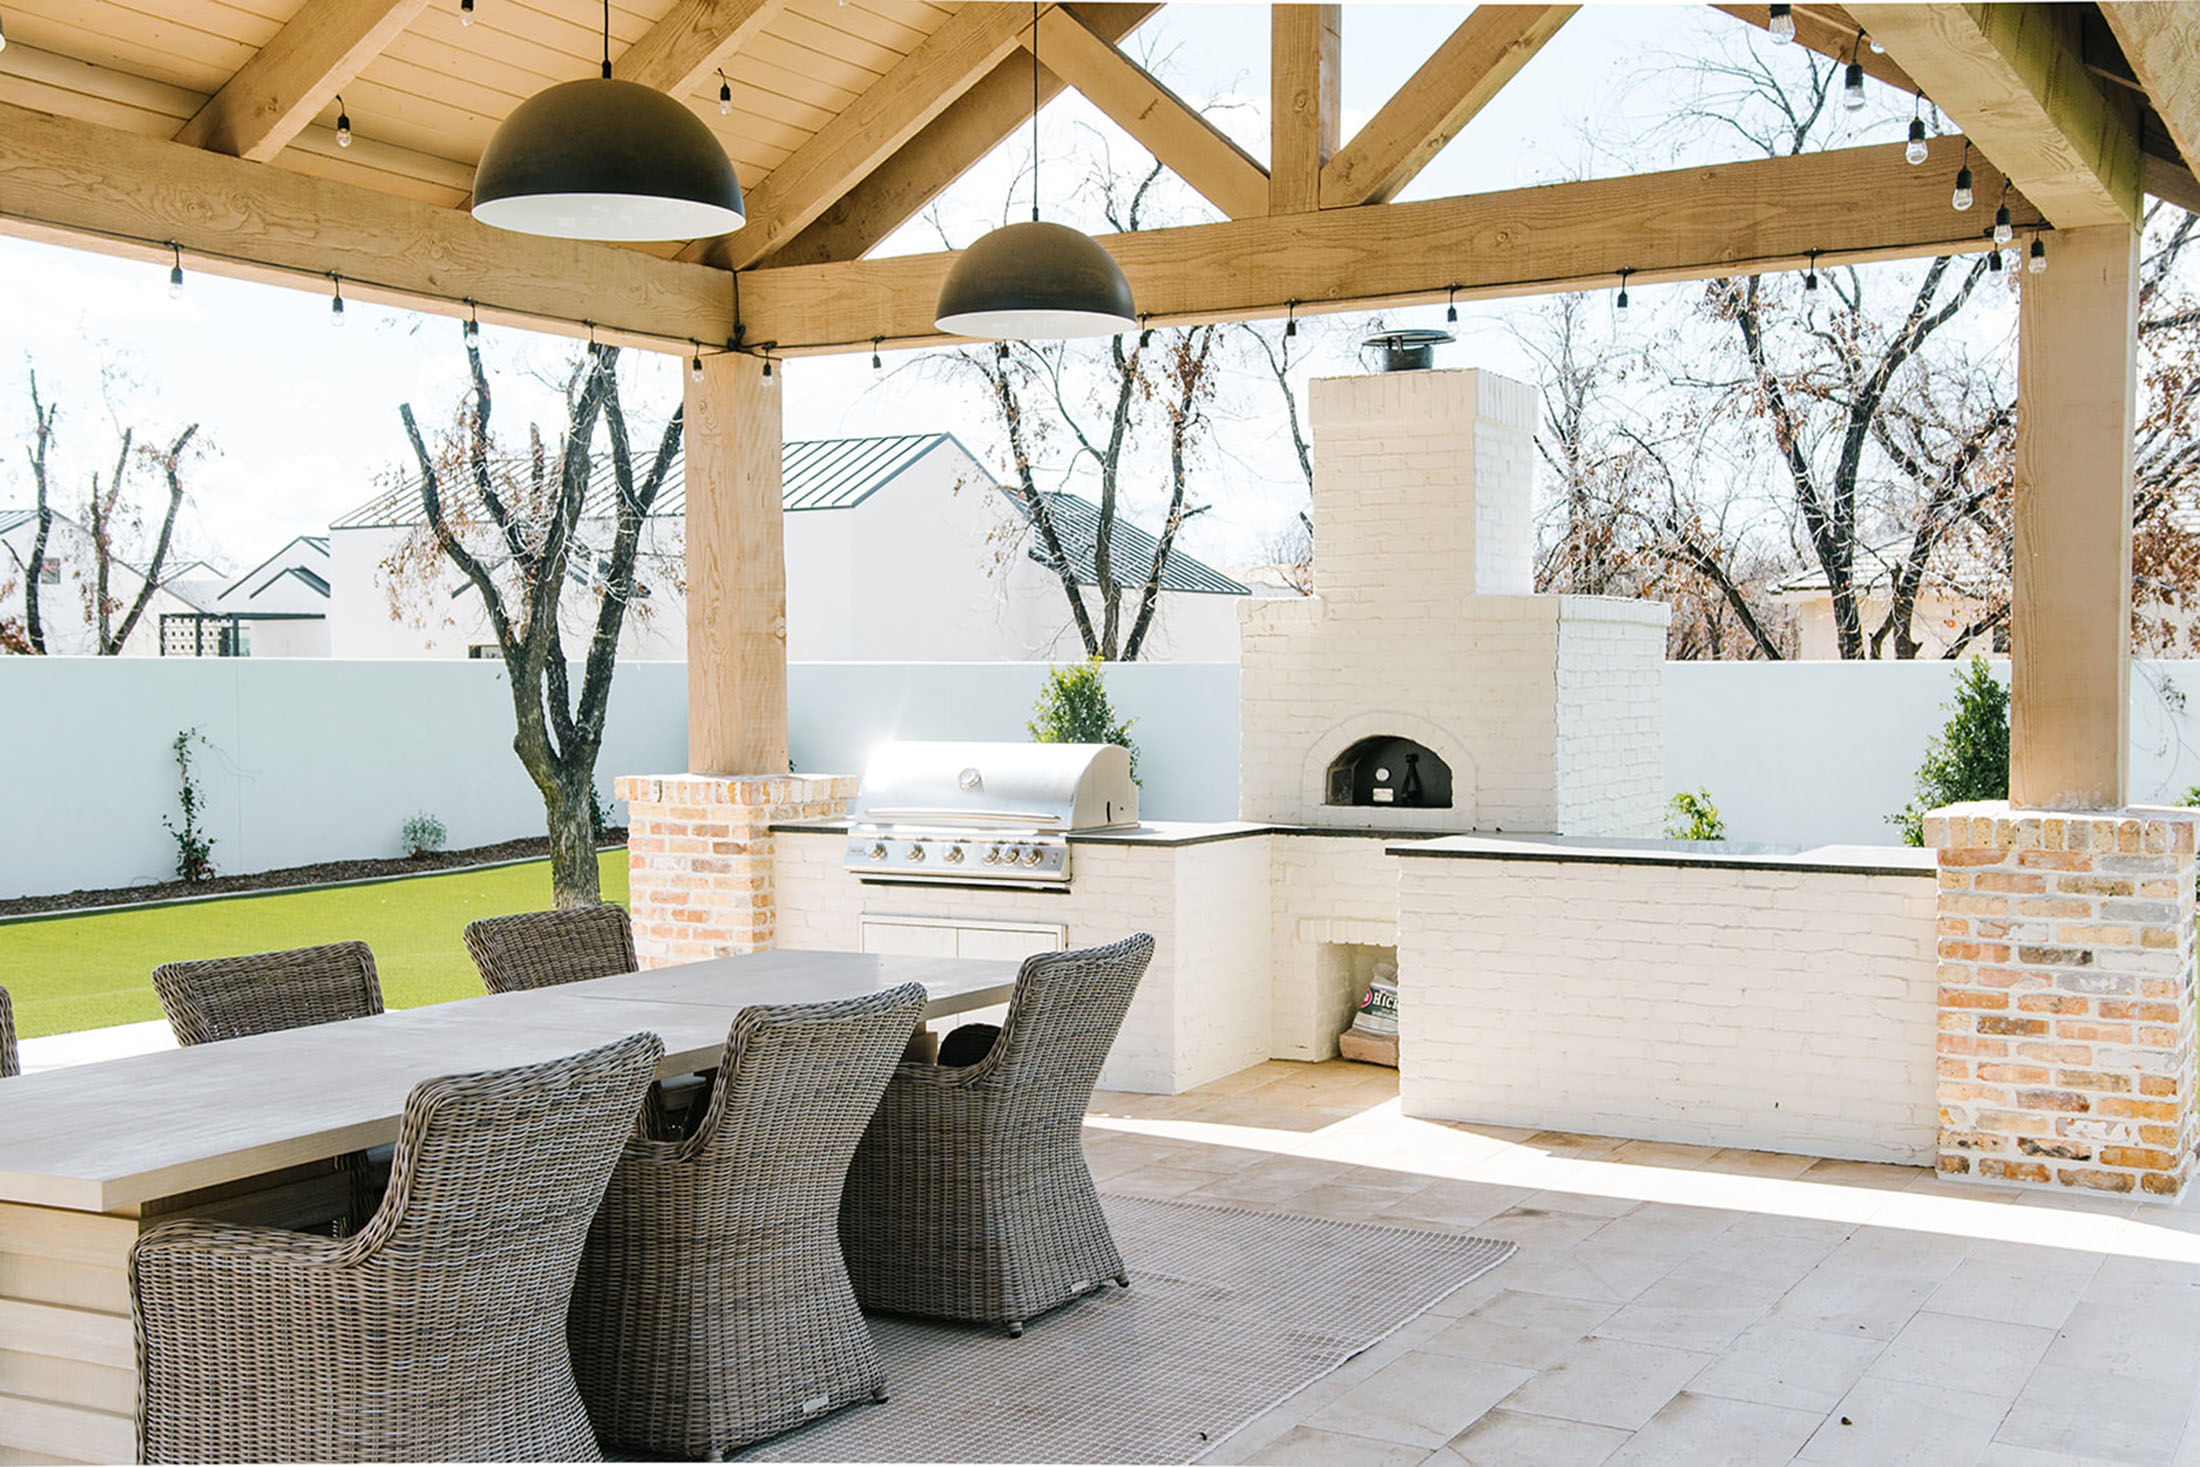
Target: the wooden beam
(692, 40)
(949, 146)
(736, 571)
(1467, 71)
(2013, 78)
(97, 188)
(2162, 43)
(1304, 95)
(1831, 33)
(289, 81)
(868, 131)
(2070, 609)
(1850, 205)
(1191, 146)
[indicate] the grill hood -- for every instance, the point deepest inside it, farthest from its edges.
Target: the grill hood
(997, 786)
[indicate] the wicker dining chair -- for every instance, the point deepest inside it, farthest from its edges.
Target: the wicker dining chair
(969, 1197)
(436, 1333)
(541, 949)
(713, 1309)
(228, 998)
(11, 1062)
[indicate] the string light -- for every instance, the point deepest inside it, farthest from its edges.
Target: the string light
(473, 322)
(1781, 22)
(343, 123)
(2004, 232)
(1961, 199)
(175, 273)
(767, 364)
(1620, 306)
(876, 364)
(593, 349)
(1145, 332)
(3, 40)
(465, 12)
(725, 94)
(1916, 150)
(1993, 260)
(1451, 302)
(1290, 319)
(1852, 80)
(1000, 353)
(336, 299)
(1810, 282)
(2037, 260)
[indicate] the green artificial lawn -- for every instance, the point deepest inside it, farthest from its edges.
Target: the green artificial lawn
(73, 972)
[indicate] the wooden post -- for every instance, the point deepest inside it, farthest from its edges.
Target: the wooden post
(736, 571)
(1304, 46)
(2070, 614)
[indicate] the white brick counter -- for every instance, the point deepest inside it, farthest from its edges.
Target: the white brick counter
(1775, 1001)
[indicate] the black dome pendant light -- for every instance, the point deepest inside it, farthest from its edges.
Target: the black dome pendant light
(604, 159)
(1035, 280)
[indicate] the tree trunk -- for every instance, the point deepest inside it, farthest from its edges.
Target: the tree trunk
(575, 880)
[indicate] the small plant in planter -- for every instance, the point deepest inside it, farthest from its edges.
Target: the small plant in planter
(194, 847)
(422, 834)
(1692, 816)
(1073, 708)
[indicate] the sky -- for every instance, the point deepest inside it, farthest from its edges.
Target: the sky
(301, 417)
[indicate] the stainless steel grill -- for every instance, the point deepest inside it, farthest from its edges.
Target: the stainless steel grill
(985, 814)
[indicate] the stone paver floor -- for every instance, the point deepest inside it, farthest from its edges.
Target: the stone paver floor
(1691, 1306)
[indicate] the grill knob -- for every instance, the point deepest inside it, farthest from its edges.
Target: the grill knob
(1031, 857)
(954, 855)
(878, 851)
(916, 853)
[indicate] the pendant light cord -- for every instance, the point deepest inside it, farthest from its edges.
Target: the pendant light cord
(1034, 109)
(607, 40)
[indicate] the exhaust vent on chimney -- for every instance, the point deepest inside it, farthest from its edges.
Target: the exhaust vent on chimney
(1407, 350)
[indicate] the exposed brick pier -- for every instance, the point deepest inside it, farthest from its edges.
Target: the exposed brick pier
(699, 856)
(2066, 997)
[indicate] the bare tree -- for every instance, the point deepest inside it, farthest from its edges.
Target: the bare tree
(510, 524)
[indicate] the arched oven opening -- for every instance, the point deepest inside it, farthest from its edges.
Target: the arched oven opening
(1389, 771)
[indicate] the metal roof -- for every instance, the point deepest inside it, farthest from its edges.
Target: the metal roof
(829, 473)
(1130, 551)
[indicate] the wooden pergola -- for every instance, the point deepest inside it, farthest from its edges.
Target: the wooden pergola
(206, 126)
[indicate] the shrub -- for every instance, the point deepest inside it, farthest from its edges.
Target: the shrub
(194, 847)
(1967, 760)
(1692, 816)
(422, 834)
(1073, 708)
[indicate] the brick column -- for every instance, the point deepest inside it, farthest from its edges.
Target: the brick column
(2066, 997)
(699, 856)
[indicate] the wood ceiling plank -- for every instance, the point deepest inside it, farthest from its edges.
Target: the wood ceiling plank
(2162, 43)
(1304, 94)
(692, 41)
(1850, 205)
(102, 189)
(292, 78)
(2012, 77)
(1468, 70)
(1192, 147)
(867, 132)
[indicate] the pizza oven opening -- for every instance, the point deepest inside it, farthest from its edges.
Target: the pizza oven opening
(1386, 770)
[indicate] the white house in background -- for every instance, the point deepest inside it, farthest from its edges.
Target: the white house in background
(279, 608)
(65, 585)
(899, 549)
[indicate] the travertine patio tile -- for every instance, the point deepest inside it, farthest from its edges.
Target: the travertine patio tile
(1455, 1203)
(1162, 1181)
(1687, 1316)
(1899, 1423)
(1609, 1383)
(2016, 1284)
(2136, 1338)
(1420, 1399)
(1861, 1174)
(1514, 1439)
(1981, 1357)
(1710, 1431)
(1759, 1163)
(1777, 1365)
(1575, 1144)
(1675, 1154)
(1524, 1329)
(1306, 1446)
(2099, 1413)
(2001, 1454)
(1525, 1224)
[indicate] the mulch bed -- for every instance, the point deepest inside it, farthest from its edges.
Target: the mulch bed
(533, 848)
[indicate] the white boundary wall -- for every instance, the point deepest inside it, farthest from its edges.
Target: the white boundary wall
(317, 760)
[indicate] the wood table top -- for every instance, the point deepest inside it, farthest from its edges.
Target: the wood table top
(108, 1137)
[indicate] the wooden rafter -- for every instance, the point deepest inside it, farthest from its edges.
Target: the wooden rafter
(2162, 43)
(97, 188)
(1850, 205)
(693, 39)
(1305, 45)
(2013, 77)
(1191, 146)
(1831, 32)
(1471, 67)
(868, 132)
(949, 146)
(287, 83)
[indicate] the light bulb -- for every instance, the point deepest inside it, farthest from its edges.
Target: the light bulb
(695, 367)
(2003, 233)
(175, 282)
(1916, 151)
(343, 130)
(1852, 87)
(1993, 261)
(1290, 327)
(1451, 315)
(1810, 287)
(473, 329)
(1619, 309)
(876, 364)
(2038, 256)
(336, 311)
(1879, 47)
(465, 12)
(3, 40)
(767, 369)
(1782, 23)
(1961, 198)
(725, 99)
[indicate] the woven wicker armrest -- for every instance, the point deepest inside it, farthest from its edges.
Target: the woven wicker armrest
(196, 1241)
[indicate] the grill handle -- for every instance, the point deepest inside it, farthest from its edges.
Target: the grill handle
(963, 816)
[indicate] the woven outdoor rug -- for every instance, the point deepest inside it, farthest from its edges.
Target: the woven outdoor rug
(1229, 1312)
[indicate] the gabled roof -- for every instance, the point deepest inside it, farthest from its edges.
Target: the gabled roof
(291, 581)
(826, 473)
(1130, 551)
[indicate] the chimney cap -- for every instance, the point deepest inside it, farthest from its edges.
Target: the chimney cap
(1408, 349)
